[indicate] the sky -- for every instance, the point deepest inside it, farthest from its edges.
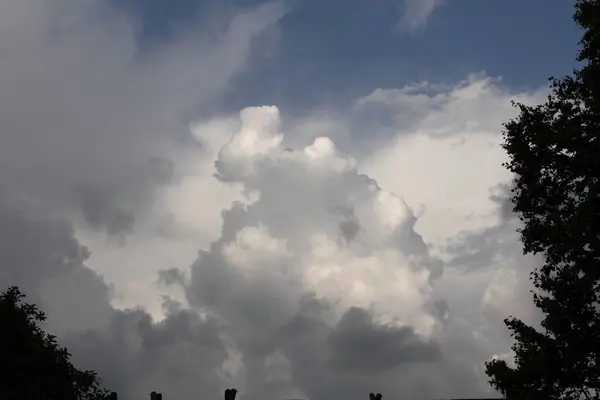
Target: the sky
(297, 199)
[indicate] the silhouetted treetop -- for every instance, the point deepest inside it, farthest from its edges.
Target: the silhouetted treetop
(33, 365)
(554, 153)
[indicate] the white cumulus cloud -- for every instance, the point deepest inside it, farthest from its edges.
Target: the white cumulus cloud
(417, 12)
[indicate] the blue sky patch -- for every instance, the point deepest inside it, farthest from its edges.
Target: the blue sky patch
(333, 51)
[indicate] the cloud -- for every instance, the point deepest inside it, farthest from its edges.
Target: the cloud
(96, 131)
(359, 344)
(181, 355)
(316, 261)
(90, 125)
(42, 257)
(304, 199)
(314, 227)
(437, 126)
(446, 160)
(314, 264)
(326, 256)
(417, 12)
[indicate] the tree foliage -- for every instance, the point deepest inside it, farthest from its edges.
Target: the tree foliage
(554, 152)
(32, 364)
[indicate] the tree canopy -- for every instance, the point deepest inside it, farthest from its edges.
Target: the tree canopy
(33, 365)
(554, 152)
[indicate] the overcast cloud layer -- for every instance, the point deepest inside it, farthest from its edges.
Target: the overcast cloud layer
(320, 257)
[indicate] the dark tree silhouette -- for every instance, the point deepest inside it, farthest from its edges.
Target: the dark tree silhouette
(554, 151)
(32, 364)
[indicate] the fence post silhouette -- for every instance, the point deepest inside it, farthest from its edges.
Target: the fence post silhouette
(155, 396)
(230, 394)
(375, 396)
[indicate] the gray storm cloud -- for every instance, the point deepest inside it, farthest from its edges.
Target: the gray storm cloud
(180, 355)
(88, 126)
(43, 258)
(339, 314)
(282, 305)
